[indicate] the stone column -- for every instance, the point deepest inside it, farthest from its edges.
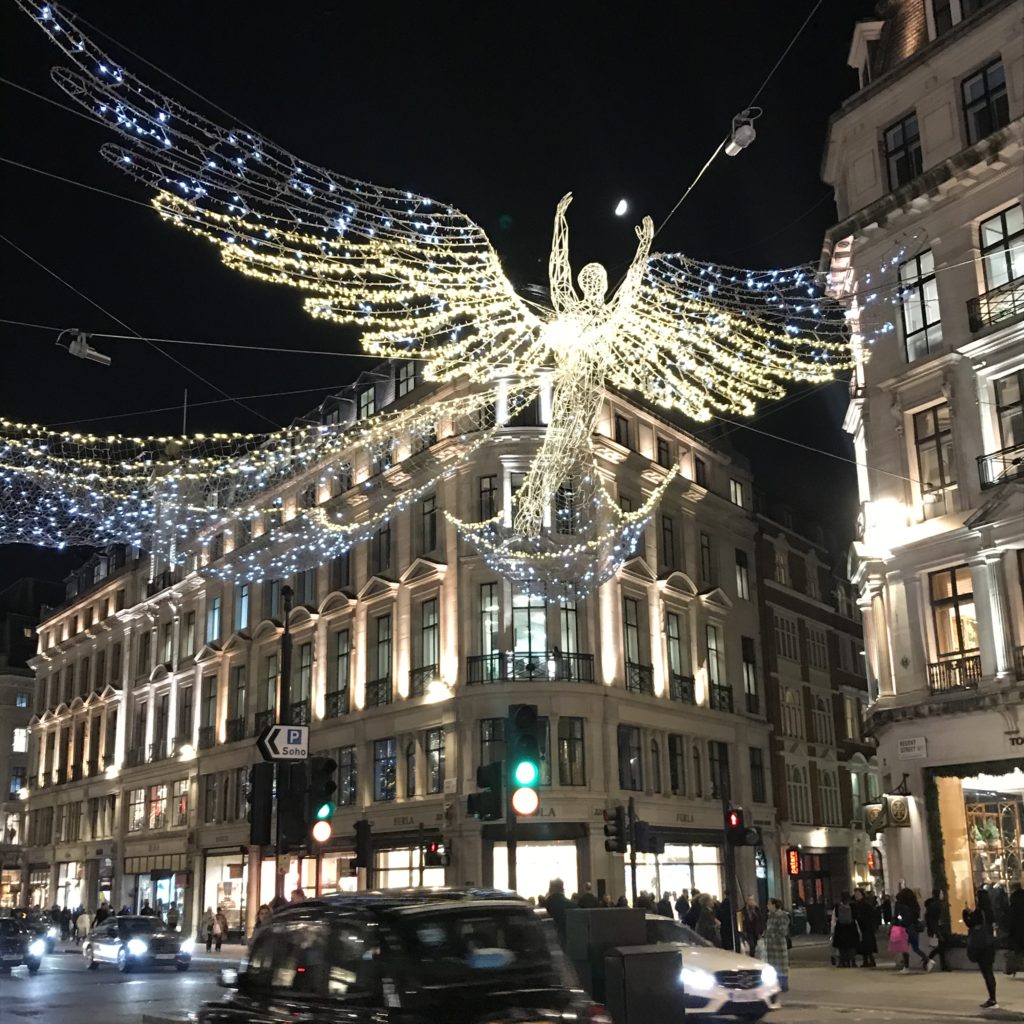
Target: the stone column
(915, 631)
(990, 605)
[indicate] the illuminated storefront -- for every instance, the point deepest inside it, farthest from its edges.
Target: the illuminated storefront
(536, 865)
(70, 888)
(224, 886)
(10, 886)
(39, 886)
(159, 880)
(681, 866)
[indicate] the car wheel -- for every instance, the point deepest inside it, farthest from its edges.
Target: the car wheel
(32, 965)
(90, 959)
(182, 967)
(124, 965)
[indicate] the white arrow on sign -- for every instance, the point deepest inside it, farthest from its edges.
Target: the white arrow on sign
(284, 743)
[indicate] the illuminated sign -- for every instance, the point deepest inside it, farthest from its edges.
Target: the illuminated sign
(793, 861)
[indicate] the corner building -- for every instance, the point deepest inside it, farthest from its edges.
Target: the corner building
(152, 684)
(927, 164)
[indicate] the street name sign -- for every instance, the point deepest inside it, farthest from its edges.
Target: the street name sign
(284, 743)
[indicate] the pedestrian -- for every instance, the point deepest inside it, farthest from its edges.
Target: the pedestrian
(865, 916)
(557, 905)
(209, 921)
(263, 914)
(752, 924)
(622, 902)
(82, 926)
(102, 913)
(886, 906)
(587, 900)
(937, 927)
(777, 941)
(981, 946)
(172, 917)
(845, 933)
(693, 913)
(664, 907)
(1015, 930)
(298, 895)
(147, 910)
(726, 925)
(906, 916)
(706, 926)
(65, 924)
(682, 906)
(220, 929)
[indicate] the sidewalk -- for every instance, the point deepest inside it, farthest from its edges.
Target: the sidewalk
(937, 996)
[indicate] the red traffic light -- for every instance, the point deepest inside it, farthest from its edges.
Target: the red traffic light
(734, 820)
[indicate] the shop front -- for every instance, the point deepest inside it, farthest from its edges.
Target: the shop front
(39, 886)
(689, 862)
(817, 879)
(70, 884)
(223, 888)
(159, 880)
(544, 851)
(10, 884)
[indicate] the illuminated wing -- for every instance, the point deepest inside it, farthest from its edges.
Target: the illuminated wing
(703, 338)
(418, 278)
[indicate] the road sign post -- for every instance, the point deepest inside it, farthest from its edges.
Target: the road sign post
(284, 717)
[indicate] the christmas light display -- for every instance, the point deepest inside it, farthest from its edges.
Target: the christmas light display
(417, 278)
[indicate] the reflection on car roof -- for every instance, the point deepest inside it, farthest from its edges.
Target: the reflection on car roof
(406, 899)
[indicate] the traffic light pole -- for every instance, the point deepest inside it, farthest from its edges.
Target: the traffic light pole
(730, 868)
(510, 838)
(632, 845)
(283, 718)
(423, 852)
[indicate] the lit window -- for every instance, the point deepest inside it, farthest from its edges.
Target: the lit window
(919, 306)
(19, 741)
(736, 492)
(953, 614)
(1002, 252)
(792, 712)
(936, 461)
(384, 759)
(367, 403)
(742, 575)
(405, 377)
(781, 568)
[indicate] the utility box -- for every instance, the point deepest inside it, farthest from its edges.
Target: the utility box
(643, 984)
(589, 934)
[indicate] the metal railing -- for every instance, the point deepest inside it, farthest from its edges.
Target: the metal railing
(1001, 303)
(378, 693)
(720, 697)
(419, 677)
(298, 711)
(134, 756)
(954, 674)
(264, 719)
(235, 729)
(1018, 661)
(336, 703)
(158, 750)
(681, 688)
(753, 703)
(505, 666)
(1001, 466)
(207, 736)
(639, 678)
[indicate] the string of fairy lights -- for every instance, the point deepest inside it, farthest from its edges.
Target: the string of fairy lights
(418, 279)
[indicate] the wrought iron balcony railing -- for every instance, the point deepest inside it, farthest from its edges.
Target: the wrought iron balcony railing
(1002, 466)
(134, 756)
(158, 750)
(1001, 303)
(336, 703)
(681, 688)
(540, 666)
(378, 692)
(264, 719)
(207, 736)
(235, 729)
(298, 711)
(639, 678)
(954, 674)
(720, 697)
(420, 677)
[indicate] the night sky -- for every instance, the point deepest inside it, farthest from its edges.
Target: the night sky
(498, 109)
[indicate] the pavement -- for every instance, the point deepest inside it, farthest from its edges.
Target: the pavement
(64, 992)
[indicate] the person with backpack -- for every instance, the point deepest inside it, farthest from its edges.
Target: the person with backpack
(845, 933)
(981, 946)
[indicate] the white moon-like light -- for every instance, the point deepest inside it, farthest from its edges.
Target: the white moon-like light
(621, 208)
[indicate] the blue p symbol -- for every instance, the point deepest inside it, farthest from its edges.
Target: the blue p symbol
(294, 736)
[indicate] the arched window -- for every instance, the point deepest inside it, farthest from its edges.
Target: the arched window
(655, 766)
(792, 712)
(410, 769)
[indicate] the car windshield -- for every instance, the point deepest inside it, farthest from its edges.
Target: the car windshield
(143, 926)
(463, 946)
(10, 927)
(665, 930)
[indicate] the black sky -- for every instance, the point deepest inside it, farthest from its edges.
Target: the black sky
(496, 108)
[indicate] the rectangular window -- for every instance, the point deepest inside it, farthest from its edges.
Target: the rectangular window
(750, 687)
(303, 682)
(305, 587)
(381, 549)
(179, 807)
(136, 810)
(145, 648)
(716, 666)
(428, 523)
(902, 151)
(267, 697)
(758, 789)
(243, 534)
(489, 641)
(492, 740)
(742, 575)
(792, 712)
(157, 806)
(571, 755)
(566, 510)
(953, 615)
(209, 791)
(622, 430)
(166, 642)
(348, 778)
(631, 773)
(1010, 407)
(241, 607)
(430, 634)
(817, 649)
(339, 571)
(213, 620)
(663, 453)
(569, 632)
(736, 492)
(986, 108)
(208, 711)
(787, 638)
(435, 744)
(272, 599)
(405, 377)
(706, 560)
(919, 306)
(676, 764)
(781, 568)
(678, 649)
(378, 688)
(821, 718)
(1002, 254)
(631, 629)
(488, 497)
(341, 663)
(236, 694)
(668, 542)
(718, 761)
(384, 769)
(936, 461)
(700, 471)
(367, 403)
(17, 780)
(529, 625)
(188, 634)
(21, 700)
(942, 9)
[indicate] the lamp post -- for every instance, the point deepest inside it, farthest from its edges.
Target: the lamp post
(283, 718)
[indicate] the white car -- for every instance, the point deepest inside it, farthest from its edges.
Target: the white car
(717, 982)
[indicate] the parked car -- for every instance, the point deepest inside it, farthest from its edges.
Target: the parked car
(19, 946)
(132, 942)
(415, 956)
(717, 982)
(39, 924)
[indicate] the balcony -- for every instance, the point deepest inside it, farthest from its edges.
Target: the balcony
(92, 768)
(639, 678)
(720, 697)
(996, 305)
(264, 720)
(680, 688)
(298, 712)
(378, 692)
(1002, 466)
(420, 677)
(158, 750)
(954, 674)
(336, 703)
(207, 737)
(134, 756)
(506, 666)
(235, 730)
(1018, 661)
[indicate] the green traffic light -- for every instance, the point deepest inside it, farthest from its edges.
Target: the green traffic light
(325, 811)
(527, 773)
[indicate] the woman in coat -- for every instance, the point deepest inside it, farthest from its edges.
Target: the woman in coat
(866, 919)
(907, 914)
(707, 926)
(981, 947)
(776, 941)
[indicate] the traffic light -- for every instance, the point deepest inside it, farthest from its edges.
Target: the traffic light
(647, 841)
(320, 798)
(260, 797)
(736, 831)
(522, 745)
(436, 855)
(488, 804)
(615, 830)
(364, 845)
(291, 804)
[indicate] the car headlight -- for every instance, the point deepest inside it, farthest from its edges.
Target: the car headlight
(696, 979)
(137, 947)
(53, 932)
(769, 976)
(187, 946)
(37, 948)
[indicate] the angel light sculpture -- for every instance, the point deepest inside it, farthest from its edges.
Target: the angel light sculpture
(418, 279)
